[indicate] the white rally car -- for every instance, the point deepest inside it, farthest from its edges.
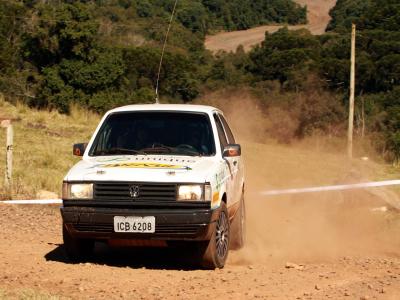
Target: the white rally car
(157, 175)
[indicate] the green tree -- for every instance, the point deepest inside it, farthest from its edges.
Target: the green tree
(64, 31)
(193, 15)
(12, 25)
(283, 54)
(346, 12)
(74, 66)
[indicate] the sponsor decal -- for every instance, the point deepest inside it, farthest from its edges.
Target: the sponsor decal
(220, 178)
(215, 200)
(144, 165)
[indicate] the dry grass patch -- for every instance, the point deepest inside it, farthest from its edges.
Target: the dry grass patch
(42, 147)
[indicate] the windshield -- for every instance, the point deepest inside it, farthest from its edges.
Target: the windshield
(168, 133)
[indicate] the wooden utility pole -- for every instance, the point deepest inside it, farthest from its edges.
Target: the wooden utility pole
(352, 92)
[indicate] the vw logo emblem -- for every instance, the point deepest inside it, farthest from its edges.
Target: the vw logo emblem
(134, 191)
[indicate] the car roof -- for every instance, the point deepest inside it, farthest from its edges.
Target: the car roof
(165, 107)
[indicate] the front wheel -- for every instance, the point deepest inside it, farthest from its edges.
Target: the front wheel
(215, 252)
(77, 249)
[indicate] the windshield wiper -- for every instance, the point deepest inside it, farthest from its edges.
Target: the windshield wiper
(190, 152)
(157, 148)
(160, 148)
(188, 149)
(119, 151)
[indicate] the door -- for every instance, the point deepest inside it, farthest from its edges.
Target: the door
(236, 161)
(229, 162)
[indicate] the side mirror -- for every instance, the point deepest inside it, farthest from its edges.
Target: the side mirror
(232, 150)
(79, 149)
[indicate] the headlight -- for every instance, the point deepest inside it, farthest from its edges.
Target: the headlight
(194, 192)
(72, 191)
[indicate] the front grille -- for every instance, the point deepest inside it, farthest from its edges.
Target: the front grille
(122, 191)
(161, 229)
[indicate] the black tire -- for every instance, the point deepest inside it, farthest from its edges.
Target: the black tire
(77, 249)
(238, 227)
(215, 252)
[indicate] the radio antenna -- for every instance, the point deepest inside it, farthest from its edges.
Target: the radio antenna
(163, 50)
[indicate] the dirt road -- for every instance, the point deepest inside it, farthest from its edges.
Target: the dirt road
(33, 263)
(318, 18)
(335, 246)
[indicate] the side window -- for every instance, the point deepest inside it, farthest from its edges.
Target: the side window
(221, 133)
(231, 138)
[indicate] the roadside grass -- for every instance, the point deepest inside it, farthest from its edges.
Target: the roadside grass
(42, 147)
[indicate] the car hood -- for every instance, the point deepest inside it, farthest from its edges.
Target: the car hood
(143, 168)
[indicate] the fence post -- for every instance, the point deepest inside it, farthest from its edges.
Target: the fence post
(9, 157)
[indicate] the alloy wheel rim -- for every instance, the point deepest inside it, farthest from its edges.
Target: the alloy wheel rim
(222, 236)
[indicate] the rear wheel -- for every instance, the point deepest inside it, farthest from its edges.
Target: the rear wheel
(77, 249)
(215, 251)
(238, 227)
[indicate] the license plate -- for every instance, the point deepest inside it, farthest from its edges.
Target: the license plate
(135, 224)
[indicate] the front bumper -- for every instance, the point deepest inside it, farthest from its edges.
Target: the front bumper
(172, 224)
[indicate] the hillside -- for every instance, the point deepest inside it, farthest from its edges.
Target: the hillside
(94, 51)
(102, 54)
(317, 16)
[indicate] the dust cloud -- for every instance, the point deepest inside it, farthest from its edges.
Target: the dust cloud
(306, 227)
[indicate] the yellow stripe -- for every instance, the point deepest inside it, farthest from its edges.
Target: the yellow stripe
(142, 165)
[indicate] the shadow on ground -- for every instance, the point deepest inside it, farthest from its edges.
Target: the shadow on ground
(171, 258)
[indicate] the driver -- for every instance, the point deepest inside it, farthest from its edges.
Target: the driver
(141, 140)
(195, 140)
